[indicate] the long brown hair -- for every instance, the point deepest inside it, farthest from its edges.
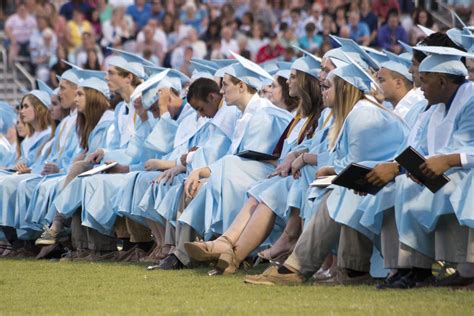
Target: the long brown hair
(96, 105)
(41, 114)
(311, 100)
(346, 97)
(290, 102)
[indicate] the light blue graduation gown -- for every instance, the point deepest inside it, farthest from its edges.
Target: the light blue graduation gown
(7, 152)
(369, 135)
(218, 202)
(30, 151)
(462, 200)
(66, 200)
(213, 142)
(373, 206)
(417, 209)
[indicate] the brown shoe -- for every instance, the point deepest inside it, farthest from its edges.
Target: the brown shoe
(272, 277)
(76, 255)
(208, 251)
(342, 277)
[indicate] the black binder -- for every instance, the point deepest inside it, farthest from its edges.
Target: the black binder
(353, 177)
(411, 160)
(255, 155)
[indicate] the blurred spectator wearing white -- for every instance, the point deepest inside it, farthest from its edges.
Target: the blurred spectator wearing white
(149, 43)
(118, 29)
(359, 31)
(79, 57)
(41, 53)
(256, 40)
(158, 34)
(287, 36)
(199, 47)
(228, 42)
(18, 29)
(296, 22)
(316, 17)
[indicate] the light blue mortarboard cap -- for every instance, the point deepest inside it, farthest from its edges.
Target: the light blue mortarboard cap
(308, 64)
(468, 42)
(356, 53)
(406, 47)
(425, 30)
(43, 93)
(445, 60)
(270, 66)
(284, 69)
(130, 62)
(355, 75)
(76, 73)
(7, 117)
(378, 56)
(206, 62)
(248, 72)
(224, 62)
(148, 89)
(202, 70)
(399, 64)
(96, 84)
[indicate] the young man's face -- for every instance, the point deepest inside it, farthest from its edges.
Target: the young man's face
(67, 93)
(114, 80)
(387, 83)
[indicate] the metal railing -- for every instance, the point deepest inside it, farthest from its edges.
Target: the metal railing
(4, 55)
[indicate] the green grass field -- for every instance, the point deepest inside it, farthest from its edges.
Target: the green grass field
(42, 287)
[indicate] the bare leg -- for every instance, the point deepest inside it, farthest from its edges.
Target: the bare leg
(242, 219)
(287, 239)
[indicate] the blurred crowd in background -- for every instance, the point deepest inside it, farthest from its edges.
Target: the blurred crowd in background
(171, 32)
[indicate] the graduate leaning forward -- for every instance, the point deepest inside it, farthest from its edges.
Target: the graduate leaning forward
(378, 210)
(364, 132)
(34, 112)
(209, 144)
(266, 205)
(425, 220)
(216, 204)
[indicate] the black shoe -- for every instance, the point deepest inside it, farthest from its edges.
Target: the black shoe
(454, 281)
(390, 279)
(415, 278)
(171, 262)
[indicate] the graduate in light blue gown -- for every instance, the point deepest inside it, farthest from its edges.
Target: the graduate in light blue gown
(34, 113)
(7, 132)
(219, 200)
(363, 132)
(268, 197)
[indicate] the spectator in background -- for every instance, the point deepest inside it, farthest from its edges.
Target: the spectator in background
(287, 36)
(41, 54)
(329, 27)
(67, 9)
(311, 41)
(340, 19)
(18, 29)
(270, 51)
(391, 33)
(157, 11)
(92, 62)
(256, 40)
(199, 47)
(423, 17)
(96, 25)
(227, 15)
(228, 42)
(264, 15)
(56, 21)
(242, 41)
(158, 34)
(367, 16)
(186, 66)
(118, 29)
(215, 52)
(36, 38)
(212, 33)
(59, 66)
(246, 24)
(316, 17)
(75, 29)
(191, 16)
(359, 31)
(79, 57)
(296, 22)
(140, 13)
(381, 9)
(148, 42)
(105, 11)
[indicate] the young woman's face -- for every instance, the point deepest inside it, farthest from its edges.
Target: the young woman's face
(27, 111)
(329, 92)
(21, 128)
(230, 90)
(55, 110)
(293, 84)
(80, 100)
(276, 95)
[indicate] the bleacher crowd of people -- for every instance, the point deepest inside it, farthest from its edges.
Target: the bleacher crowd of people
(211, 121)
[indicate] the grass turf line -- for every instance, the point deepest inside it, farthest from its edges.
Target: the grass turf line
(43, 287)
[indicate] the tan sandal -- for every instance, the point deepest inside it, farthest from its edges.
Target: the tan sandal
(207, 251)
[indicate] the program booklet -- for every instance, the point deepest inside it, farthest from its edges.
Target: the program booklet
(98, 169)
(353, 177)
(255, 155)
(411, 160)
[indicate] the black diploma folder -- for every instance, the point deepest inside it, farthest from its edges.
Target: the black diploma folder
(353, 177)
(411, 160)
(255, 155)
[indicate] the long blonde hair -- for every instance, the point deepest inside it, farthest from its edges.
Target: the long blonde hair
(41, 113)
(346, 97)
